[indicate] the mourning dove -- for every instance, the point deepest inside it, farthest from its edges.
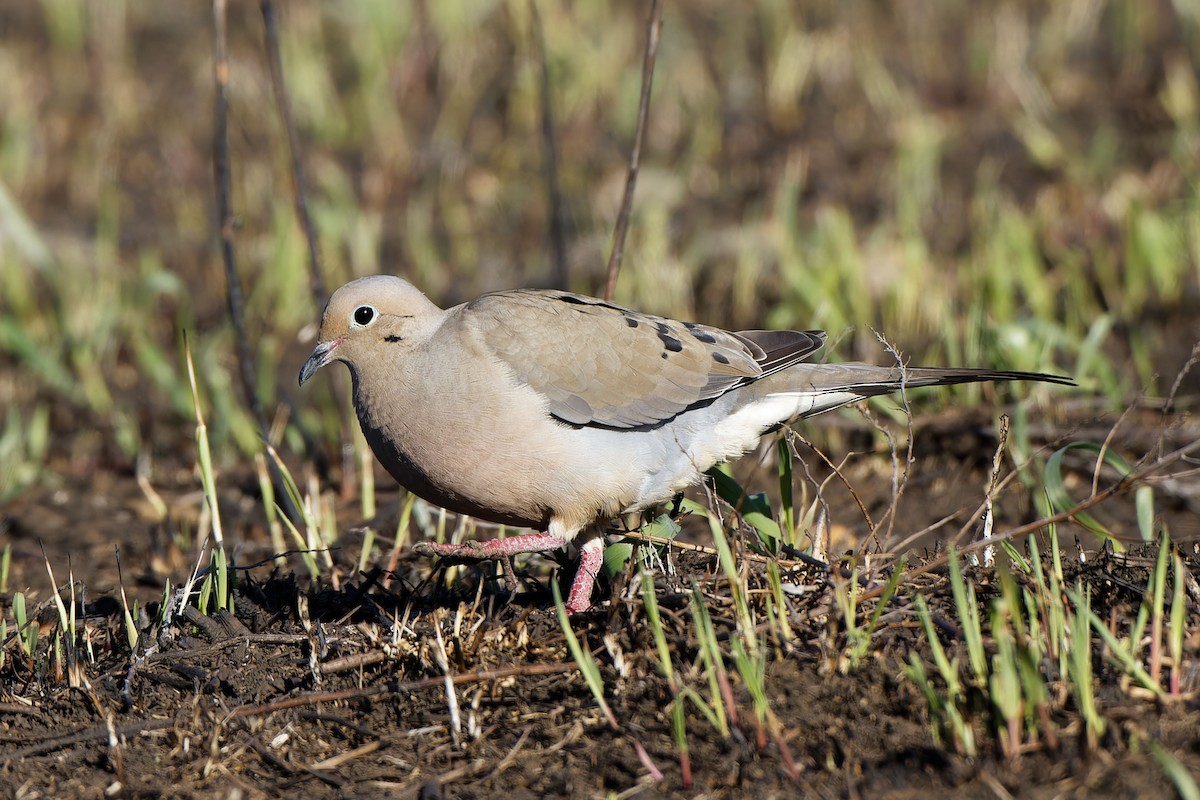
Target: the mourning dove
(559, 412)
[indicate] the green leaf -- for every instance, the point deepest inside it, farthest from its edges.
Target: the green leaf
(1060, 498)
(754, 508)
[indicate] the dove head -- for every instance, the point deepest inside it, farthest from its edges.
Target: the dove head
(367, 317)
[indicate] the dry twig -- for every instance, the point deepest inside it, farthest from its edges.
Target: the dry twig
(558, 208)
(653, 32)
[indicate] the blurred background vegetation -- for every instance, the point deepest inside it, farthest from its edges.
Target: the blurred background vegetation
(1008, 183)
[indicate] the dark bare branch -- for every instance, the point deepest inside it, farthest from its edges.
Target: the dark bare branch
(653, 33)
(558, 208)
(299, 185)
(226, 225)
(316, 281)
(225, 218)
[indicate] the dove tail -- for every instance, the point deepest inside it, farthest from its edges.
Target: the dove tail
(816, 388)
(916, 377)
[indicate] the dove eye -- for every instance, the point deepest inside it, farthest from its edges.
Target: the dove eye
(363, 315)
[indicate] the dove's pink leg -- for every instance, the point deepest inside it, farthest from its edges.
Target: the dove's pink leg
(591, 556)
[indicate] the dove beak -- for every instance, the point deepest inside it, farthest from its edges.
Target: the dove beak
(322, 354)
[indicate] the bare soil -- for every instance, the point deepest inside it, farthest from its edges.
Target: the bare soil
(338, 691)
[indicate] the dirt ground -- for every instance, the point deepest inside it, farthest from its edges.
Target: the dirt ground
(338, 692)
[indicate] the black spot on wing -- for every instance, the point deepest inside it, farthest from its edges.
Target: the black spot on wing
(580, 300)
(669, 341)
(393, 338)
(631, 322)
(699, 333)
(720, 358)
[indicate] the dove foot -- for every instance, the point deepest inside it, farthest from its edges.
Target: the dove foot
(492, 548)
(501, 550)
(591, 557)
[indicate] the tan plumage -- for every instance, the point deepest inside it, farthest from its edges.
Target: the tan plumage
(649, 369)
(556, 411)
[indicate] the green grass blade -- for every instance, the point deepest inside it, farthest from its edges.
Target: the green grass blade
(1179, 775)
(587, 664)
